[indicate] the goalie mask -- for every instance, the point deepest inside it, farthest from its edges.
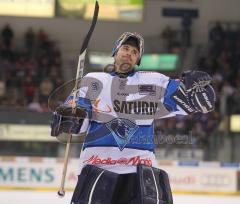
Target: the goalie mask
(133, 39)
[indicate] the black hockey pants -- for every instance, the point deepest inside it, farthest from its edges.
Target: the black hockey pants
(98, 186)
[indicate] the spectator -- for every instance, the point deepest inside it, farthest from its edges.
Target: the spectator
(42, 39)
(186, 30)
(2, 89)
(29, 88)
(7, 53)
(31, 66)
(44, 106)
(44, 64)
(58, 82)
(168, 35)
(29, 38)
(217, 36)
(7, 36)
(226, 92)
(236, 97)
(35, 105)
(46, 87)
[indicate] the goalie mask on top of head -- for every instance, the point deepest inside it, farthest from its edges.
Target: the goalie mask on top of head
(127, 36)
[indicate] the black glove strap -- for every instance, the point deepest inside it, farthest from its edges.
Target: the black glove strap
(182, 100)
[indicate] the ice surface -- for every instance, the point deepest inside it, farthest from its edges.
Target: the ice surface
(43, 197)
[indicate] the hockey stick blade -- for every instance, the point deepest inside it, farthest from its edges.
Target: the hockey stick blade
(89, 34)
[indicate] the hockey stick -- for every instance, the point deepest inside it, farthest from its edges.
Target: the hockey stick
(80, 68)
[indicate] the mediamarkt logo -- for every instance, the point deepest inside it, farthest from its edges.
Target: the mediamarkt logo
(123, 161)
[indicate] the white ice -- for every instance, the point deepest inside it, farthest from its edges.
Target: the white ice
(42, 197)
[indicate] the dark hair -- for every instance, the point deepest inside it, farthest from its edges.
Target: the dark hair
(133, 42)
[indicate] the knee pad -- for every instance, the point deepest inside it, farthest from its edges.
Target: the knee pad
(153, 186)
(95, 186)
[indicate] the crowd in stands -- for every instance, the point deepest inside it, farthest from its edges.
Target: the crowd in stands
(222, 62)
(28, 73)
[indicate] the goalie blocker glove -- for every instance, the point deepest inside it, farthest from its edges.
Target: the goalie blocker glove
(67, 110)
(195, 93)
(65, 120)
(65, 124)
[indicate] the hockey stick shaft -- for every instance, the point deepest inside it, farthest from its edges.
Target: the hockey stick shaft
(79, 74)
(61, 191)
(81, 60)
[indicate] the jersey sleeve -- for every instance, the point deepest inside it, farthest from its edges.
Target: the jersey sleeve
(82, 99)
(174, 109)
(83, 102)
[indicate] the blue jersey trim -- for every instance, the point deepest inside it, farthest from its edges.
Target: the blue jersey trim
(168, 101)
(89, 146)
(130, 74)
(86, 104)
(82, 102)
(99, 136)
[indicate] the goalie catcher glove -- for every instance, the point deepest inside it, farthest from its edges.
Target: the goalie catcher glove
(195, 93)
(196, 100)
(203, 99)
(195, 79)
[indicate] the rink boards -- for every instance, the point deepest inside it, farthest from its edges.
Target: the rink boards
(37, 173)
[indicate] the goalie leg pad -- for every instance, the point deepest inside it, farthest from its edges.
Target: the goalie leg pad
(153, 185)
(95, 185)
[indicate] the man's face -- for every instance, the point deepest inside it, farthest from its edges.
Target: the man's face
(126, 57)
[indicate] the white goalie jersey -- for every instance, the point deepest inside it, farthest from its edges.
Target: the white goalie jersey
(121, 111)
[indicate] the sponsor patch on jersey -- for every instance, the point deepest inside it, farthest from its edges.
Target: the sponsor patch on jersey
(122, 130)
(95, 86)
(95, 159)
(135, 107)
(147, 89)
(122, 84)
